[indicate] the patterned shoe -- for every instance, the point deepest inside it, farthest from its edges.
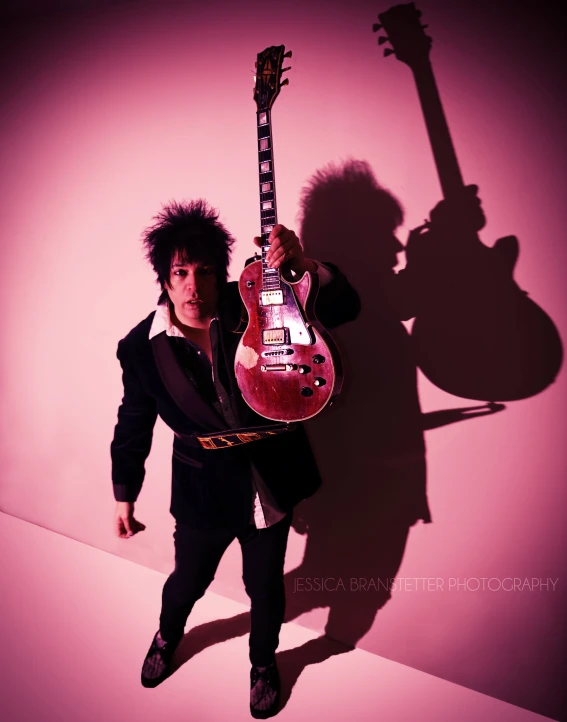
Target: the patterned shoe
(157, 664)
(264, 691)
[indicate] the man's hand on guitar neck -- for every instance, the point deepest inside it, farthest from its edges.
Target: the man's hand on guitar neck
(287, 251)
(453, 219)
(462, 210)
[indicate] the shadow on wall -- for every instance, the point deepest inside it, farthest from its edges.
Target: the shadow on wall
(476, 334)
(374, 487)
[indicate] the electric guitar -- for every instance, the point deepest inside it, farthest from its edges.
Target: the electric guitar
(287, 365)
(476, 333)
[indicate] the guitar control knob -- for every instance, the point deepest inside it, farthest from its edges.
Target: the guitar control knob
(319, 381)
(306, 391)
(249, 284)
(318, 359)
(303, 369)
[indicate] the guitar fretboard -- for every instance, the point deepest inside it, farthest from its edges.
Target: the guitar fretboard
(438, 131)
(268, 212)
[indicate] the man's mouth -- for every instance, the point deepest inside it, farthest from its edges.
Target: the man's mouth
(194, 301)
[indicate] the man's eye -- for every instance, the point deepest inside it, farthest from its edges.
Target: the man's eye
(180, 272)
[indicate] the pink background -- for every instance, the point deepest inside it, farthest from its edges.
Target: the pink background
(108, 113)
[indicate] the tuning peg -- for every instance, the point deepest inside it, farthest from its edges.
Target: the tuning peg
(256, 64)
(383, 39)
(288, 54)
(424, 26)
(284, 69)
(388, 51)
(284, 82)
(376, 27)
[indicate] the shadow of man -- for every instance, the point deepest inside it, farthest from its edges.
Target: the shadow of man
(374, 487)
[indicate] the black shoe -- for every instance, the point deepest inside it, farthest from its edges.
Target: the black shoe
(157, 664)
(271, 678)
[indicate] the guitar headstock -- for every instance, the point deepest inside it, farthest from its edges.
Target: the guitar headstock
(404, 30)
(268, 76)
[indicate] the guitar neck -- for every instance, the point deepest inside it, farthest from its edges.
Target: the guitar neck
(267, 185)
(444, 154)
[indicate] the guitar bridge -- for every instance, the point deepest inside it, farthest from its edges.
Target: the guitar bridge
(278, 352)
(278, 367)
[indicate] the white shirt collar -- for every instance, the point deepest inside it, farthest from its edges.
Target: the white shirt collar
(162, 322)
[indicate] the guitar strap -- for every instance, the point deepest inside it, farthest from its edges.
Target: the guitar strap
(189, 401)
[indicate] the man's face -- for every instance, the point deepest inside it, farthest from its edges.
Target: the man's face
(391, 247)
(193, 290)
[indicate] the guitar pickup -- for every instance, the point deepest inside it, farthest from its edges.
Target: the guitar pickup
(278, 352)
(271, 298)
(274, 336)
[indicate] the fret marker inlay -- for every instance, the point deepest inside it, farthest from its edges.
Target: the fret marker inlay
(268, 214)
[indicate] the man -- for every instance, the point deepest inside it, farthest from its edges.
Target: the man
(179, 363)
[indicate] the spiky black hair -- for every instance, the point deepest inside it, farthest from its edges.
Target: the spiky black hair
(328, 189)
(191, 230)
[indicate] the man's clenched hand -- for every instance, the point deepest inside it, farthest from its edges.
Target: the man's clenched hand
(285, 248)
(124, 523)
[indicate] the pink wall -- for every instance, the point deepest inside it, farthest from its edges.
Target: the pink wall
(108, 113)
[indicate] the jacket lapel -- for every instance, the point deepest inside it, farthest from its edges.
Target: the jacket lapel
(182, 391)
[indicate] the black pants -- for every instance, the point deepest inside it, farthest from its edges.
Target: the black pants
(197, 556)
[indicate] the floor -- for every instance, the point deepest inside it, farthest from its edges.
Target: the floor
(76, 623)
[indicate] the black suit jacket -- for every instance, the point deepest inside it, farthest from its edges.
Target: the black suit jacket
(213, 489)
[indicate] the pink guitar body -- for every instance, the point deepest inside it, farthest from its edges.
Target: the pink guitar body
(295, 379)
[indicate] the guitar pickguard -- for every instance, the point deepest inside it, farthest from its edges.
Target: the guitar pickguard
(284, 323)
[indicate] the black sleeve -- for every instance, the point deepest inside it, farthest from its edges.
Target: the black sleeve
(337, 301)
(132, 434)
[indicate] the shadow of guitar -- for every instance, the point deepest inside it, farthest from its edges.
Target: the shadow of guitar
(477, 334)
